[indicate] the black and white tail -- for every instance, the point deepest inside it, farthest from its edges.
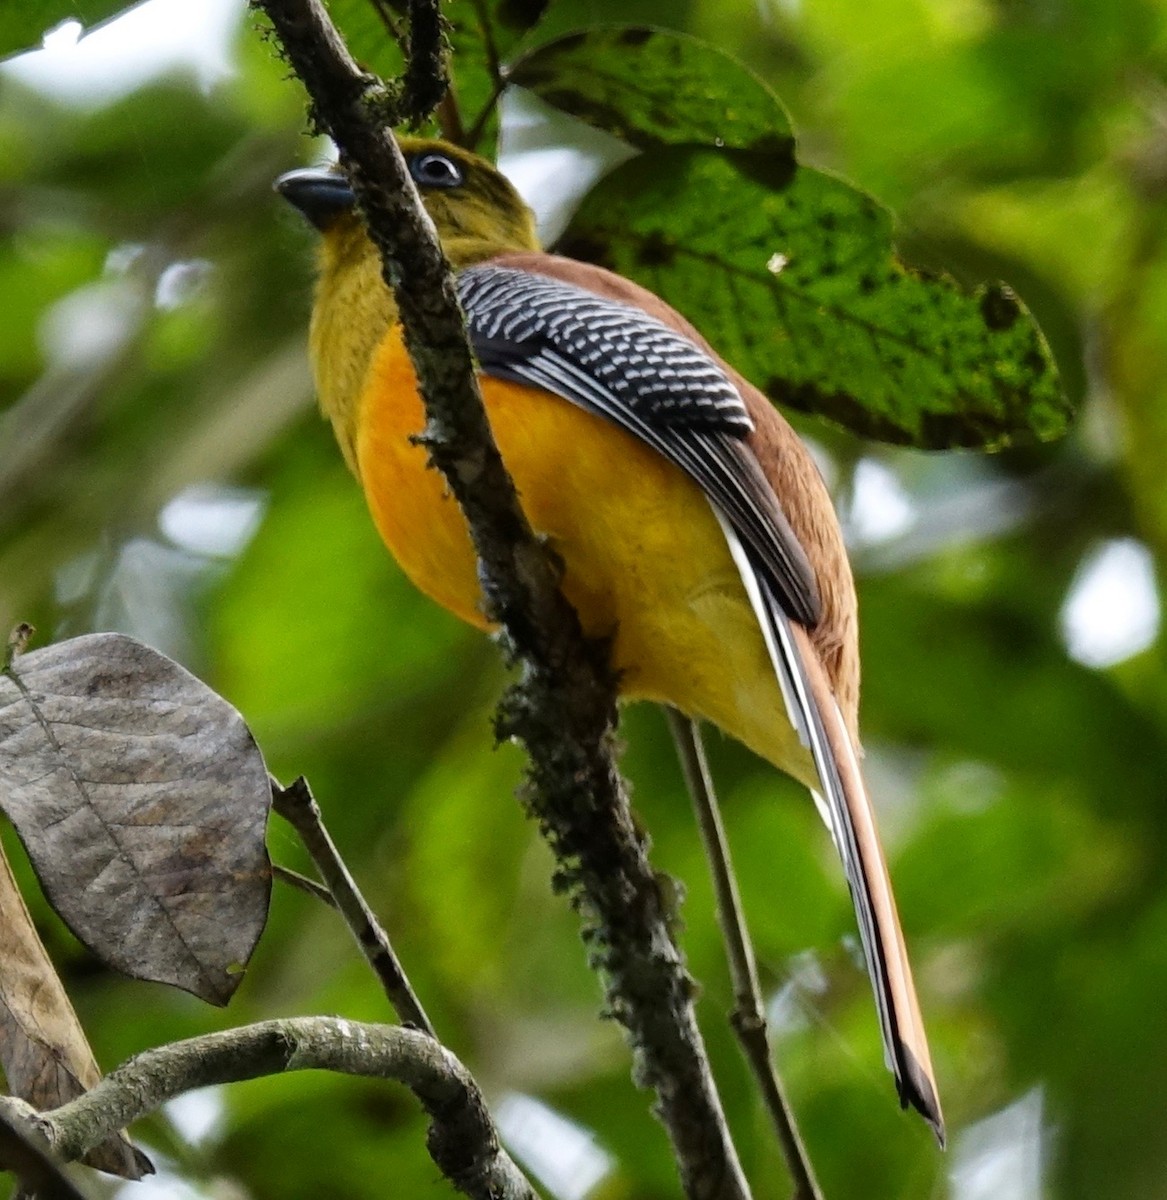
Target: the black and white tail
(845, 806)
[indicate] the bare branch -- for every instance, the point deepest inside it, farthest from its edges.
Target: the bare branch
(462, 1139)
(303, 883)
(749, 1015)
(563, 709)
(298, 807)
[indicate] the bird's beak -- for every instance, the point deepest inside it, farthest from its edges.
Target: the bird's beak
(320, 194)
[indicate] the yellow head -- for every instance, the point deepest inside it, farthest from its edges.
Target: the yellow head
(477, 213)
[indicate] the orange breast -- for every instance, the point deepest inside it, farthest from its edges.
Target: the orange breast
(645, 560)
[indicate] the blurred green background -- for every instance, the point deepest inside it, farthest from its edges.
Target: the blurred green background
(163, 472)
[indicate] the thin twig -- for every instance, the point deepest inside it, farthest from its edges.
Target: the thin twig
(494, 67)
(563, 710)
(474, 136)
(304, 884)
(486, 29)
(298, 807)
(749, 1015)
(462, 1140)
(392, 25)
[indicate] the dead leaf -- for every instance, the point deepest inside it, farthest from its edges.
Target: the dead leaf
(46, 1058)
(141, 798)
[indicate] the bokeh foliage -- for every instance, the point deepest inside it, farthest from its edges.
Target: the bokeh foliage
(155, 298)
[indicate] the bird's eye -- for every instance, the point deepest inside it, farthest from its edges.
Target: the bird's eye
(435, 170)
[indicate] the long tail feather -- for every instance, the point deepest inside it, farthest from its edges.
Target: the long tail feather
(847, 810)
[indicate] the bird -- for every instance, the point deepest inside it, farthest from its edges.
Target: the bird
(693, 526)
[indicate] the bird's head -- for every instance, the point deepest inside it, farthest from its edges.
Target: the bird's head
(476, 210)
(478, 214)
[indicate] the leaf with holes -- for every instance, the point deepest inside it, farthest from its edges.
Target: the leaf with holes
(43, 1050)
(142, 801)
(788, 271)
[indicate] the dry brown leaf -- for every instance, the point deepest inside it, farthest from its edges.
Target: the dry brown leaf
(142, 801)
(43, 1050)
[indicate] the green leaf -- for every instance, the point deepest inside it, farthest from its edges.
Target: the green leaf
(788, 271)
(24, 23)
(798, 287)
(654, 88)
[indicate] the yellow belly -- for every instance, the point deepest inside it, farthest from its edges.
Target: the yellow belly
(645, 561)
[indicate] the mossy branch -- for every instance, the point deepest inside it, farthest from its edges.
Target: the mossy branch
(563, 709)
